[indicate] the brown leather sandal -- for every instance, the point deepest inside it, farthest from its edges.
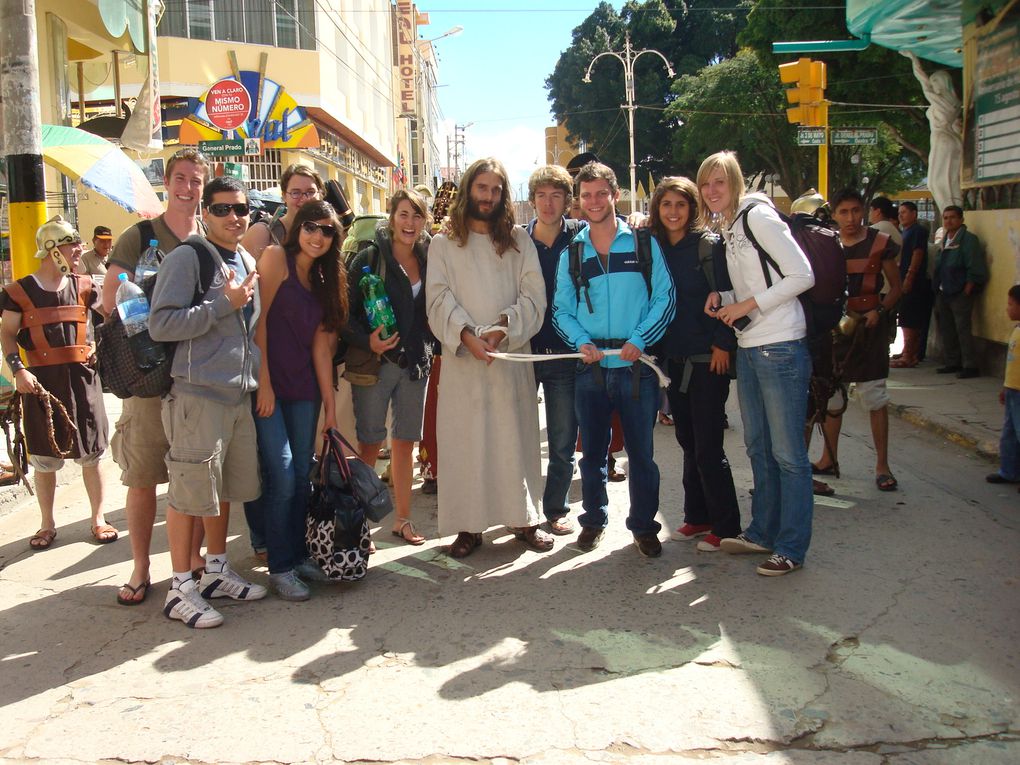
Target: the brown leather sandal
(465, 544)
(535, 538)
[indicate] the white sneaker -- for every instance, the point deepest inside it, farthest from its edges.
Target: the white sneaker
(185, 604)
(289, 587)
(229, 584)
(738, 545)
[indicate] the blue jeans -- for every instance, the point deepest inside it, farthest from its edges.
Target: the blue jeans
(594, 403)
(557, 380)
(772, 381)
(1009, 442)
(286, 444)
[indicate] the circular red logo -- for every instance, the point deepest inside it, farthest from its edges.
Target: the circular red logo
(227, 104)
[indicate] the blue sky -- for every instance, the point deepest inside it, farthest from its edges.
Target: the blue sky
(494, 72)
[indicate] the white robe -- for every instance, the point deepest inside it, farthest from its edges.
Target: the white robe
(487, 424)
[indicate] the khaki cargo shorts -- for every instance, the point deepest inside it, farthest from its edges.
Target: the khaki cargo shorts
(54, 464)
(139, 444)
(213, 456)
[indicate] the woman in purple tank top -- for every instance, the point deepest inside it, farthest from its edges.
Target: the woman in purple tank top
(303, 288)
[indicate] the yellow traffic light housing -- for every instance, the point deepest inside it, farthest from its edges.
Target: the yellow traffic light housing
(808, 97)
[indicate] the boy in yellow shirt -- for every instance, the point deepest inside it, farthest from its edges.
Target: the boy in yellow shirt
(1009, 396)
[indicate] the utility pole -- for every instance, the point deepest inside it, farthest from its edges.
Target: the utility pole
(458, 147)
(449, 170)
(22, 121)
(628, 58)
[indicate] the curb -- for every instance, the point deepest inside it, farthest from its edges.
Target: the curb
(948, 429)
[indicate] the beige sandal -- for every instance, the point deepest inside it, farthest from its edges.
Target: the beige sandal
(415, 538)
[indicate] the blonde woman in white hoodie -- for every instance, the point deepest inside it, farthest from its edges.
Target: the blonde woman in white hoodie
(773, 362)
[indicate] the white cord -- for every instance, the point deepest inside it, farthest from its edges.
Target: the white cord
(533, 357)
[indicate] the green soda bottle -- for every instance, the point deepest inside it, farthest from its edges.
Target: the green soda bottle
(377, 303)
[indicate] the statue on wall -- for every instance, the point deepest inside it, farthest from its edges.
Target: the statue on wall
(946, 121)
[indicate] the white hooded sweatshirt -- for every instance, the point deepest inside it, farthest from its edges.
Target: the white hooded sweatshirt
(779, 316)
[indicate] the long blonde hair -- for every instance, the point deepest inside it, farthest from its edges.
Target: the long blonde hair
(726, 160)
(502, 227)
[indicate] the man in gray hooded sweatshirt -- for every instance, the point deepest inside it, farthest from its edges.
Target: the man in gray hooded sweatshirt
(207, 415)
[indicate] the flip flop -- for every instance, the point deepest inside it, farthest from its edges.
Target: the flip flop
(815, 470)
(105, 534)
(134, 600)
(42, 539)
(886, 482)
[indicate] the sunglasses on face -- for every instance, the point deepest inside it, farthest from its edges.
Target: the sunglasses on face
(310, 227)
(298, 194)
(222, 209)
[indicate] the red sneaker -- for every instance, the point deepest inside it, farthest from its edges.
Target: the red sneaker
(692, 531)
(710, 543)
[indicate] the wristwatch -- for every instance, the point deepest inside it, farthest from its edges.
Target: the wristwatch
(880, 309)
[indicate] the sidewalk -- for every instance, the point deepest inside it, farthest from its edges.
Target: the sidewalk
(965, 412)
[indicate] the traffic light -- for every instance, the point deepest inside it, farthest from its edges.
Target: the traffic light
(809, 92)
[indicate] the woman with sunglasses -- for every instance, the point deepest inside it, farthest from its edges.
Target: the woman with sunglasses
(406, 356)
(303, 289)
(299, 185)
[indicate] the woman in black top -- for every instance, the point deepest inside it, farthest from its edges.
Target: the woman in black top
(697, 350)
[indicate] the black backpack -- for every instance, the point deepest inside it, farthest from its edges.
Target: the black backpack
(117, 368)
(643, 237)
(825, 302)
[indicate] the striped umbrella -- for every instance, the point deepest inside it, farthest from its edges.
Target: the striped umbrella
(100, 165)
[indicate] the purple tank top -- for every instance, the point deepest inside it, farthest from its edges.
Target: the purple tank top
(290, 327)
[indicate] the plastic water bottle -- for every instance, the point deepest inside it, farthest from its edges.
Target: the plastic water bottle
(133, 307)
(148, 262)
(377, 303)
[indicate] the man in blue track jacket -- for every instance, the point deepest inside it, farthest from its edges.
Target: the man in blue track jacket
(612, 295)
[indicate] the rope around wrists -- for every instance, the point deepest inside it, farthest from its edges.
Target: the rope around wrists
(533, 357)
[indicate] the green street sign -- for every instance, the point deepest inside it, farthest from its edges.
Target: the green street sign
(229, 148)
(854, 136)
(810, 136)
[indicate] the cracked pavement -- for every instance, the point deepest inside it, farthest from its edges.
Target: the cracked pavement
(895, 645)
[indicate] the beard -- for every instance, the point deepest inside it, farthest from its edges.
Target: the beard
(473, 211)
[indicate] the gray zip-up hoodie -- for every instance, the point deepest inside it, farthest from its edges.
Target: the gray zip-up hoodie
(216, 356)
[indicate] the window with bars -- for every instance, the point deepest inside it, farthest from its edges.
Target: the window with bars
(281, 23)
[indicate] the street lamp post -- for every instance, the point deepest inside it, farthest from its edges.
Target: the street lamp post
(628, 58)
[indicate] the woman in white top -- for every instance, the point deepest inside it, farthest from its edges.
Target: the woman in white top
(773, 362)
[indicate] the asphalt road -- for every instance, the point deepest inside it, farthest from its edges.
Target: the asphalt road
(895, 644)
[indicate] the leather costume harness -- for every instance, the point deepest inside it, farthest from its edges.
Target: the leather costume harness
(34, 319)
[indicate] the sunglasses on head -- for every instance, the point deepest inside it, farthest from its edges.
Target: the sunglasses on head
(222, 209)
(327, 229)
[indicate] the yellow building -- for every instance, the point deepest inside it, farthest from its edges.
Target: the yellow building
(319, 87)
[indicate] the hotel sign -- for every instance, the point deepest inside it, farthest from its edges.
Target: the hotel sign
(406, 59)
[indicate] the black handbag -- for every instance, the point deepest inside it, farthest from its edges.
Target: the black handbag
(346, 493)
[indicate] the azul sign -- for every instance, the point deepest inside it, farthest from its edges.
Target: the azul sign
(269, 113)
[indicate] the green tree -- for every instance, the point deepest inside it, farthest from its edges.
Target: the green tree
(875, 75)
(689, 38)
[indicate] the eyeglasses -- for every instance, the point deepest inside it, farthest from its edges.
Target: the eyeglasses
(327, 229)
(222, 209)
(297, 194)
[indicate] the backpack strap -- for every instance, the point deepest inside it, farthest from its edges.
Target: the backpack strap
(869, 268)
(575, 255)
(766, 259)
(146, 233)
(706, 260)
(643, 237)
(208, 261)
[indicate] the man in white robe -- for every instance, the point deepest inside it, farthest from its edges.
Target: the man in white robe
(485, 292)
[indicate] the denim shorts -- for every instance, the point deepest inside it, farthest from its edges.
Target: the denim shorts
(394, 387)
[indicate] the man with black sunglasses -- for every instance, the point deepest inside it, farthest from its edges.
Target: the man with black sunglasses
(207, 414)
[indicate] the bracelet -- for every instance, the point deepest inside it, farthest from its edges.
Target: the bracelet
(15, 363)
(880, 309)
